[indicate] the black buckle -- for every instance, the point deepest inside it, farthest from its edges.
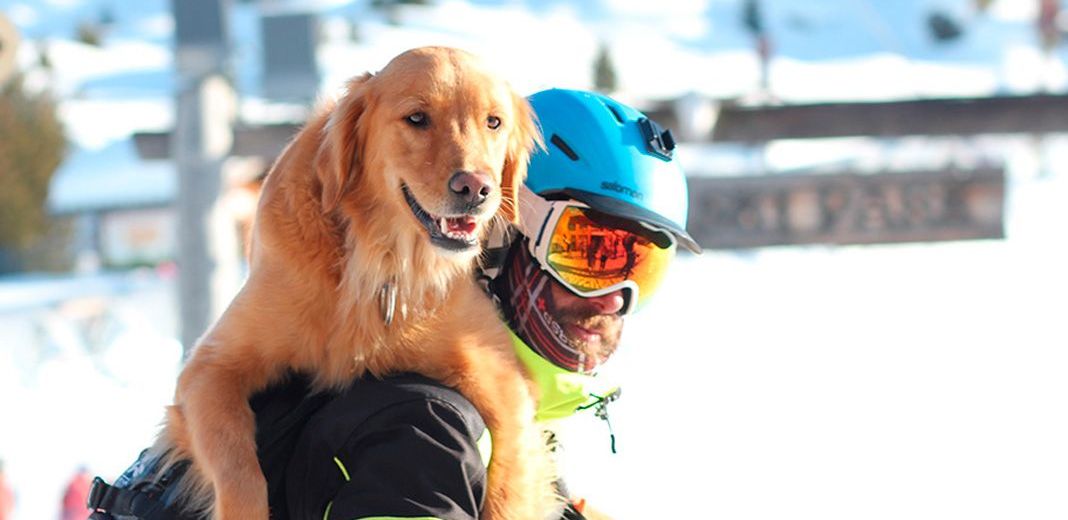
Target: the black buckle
(97, 492)
(658, 140)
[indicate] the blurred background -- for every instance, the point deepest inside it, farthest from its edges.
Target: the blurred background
(875, 330)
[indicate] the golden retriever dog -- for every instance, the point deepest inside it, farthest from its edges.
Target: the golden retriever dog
(362, 250)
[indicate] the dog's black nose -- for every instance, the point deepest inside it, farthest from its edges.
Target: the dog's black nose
(472, 188)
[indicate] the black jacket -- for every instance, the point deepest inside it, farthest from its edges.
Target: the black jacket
(402, 447)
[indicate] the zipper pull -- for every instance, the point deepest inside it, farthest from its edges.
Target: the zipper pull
(602, 413)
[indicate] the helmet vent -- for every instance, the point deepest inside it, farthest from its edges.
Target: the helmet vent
(559, 142)
(615, 113)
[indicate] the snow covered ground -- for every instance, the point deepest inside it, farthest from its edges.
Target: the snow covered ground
(86, 366)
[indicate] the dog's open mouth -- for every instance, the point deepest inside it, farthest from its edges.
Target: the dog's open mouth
(456, 233)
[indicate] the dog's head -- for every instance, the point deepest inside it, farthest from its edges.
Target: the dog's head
(435, 136)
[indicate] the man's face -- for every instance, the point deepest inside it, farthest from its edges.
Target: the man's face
(593, 325)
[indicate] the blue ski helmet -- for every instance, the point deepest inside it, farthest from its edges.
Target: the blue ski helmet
(584, 160)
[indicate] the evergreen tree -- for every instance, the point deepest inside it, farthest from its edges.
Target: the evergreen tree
(44, 59)
(752, 17)
(32, 145)
(604, 73)
(90, 34)
(943, 27)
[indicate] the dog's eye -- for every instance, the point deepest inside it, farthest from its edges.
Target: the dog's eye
(418, 119)
(493, 122)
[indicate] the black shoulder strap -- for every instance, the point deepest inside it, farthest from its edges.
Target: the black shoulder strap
(108, 502)
(145, 500)
(145, 491)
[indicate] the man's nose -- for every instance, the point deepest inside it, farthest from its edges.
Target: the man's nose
(610, 303)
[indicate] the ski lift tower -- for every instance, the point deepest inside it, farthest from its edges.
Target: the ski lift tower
(203, 135)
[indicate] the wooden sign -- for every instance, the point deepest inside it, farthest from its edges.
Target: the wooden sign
(747, 212)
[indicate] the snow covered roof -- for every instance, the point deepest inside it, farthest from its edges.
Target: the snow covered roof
(110, 177)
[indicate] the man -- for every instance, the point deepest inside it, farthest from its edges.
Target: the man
(409, 447)
(419, 456)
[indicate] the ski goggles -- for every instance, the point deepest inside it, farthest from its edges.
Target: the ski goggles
(593, 253)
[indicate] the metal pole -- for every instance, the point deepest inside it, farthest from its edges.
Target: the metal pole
(203, 135)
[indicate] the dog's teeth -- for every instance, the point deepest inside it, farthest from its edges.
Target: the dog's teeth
(457, 228)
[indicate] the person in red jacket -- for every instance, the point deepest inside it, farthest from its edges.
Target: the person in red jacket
(7, 496)
(76, 495)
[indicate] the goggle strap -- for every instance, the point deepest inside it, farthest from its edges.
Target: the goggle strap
(533, 209)
(544, 223)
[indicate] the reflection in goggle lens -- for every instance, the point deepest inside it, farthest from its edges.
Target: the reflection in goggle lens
(589, 255)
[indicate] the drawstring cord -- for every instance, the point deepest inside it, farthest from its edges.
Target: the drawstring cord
(601, 412)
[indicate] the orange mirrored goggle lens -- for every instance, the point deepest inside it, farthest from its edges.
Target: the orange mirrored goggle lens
(589, 253)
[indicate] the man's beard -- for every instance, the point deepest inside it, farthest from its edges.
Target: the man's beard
(608, 327)
(532, 313)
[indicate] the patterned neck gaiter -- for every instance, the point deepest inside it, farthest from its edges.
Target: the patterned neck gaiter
(526, 300)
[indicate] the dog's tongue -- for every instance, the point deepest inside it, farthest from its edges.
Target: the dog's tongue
(465, 225)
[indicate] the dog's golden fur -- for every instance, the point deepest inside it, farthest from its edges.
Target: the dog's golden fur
(333, 228)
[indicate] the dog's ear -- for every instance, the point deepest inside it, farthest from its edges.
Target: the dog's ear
(524, 137)
(336, 158)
